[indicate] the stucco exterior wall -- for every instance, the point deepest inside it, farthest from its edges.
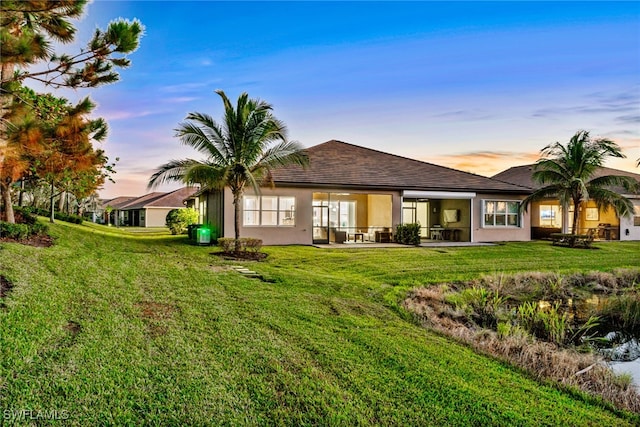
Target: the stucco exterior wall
(378, 211)
(302, 232)
(155, 217)
(631, 224)
(498, 234)
(298, 234)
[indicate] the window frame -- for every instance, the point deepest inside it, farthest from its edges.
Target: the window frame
(260, 213)
(495, 212)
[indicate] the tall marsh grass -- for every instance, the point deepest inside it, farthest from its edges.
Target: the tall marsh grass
(553, 324)
(623, 312)
(539, 338)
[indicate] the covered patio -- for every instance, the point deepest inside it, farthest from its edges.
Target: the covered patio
(443, 216)
(340, 217)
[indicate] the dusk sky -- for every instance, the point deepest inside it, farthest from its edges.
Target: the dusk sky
(471, 85)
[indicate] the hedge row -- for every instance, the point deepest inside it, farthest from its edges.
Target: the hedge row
(75, 219)
(27, 226)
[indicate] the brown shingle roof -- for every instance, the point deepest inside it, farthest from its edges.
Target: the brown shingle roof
(522, 175)
(117, 202)
(336, 163)
(173, 199)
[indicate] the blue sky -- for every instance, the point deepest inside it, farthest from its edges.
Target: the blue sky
(472, 85)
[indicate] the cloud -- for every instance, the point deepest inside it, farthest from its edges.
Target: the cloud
(124, 115)
(486, 163)
(467, 115)
(598, 103)
(189, 87)
(629, 118)
(179, 99)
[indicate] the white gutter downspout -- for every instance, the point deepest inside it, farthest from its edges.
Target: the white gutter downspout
(565, 218)
(471, 219)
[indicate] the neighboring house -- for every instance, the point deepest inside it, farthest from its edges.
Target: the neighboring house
(547, 216)
(115, 204)
(355, 193)
(149, 210)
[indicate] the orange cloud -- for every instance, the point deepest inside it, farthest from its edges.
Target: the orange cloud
(487, 163)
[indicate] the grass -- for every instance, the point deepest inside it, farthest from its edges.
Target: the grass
(119, 328)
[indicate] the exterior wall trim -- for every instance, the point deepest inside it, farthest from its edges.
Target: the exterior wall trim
(438, 194)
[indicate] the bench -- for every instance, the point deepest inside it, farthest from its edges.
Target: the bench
(572, 240)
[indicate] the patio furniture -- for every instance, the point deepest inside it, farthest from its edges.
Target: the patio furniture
(607, 232)
(383, 236)
(572, 240)
(436, 232)
(355, 237)
(339, 236)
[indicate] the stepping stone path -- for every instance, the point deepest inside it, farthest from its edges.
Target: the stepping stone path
(245, 271)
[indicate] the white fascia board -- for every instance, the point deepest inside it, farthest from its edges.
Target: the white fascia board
(437, 195)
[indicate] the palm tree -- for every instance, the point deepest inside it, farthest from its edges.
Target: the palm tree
(569, 173)
(238, 151)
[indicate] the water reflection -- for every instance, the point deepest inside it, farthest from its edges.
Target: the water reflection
(621, 347)
(631, 368)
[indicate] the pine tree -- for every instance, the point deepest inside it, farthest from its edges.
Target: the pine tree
(27, 28)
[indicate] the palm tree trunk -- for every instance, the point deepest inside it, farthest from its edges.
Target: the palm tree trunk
(236, 206)
(565, 217)
(576, 216)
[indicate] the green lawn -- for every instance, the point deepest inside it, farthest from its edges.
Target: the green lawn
(111, 327)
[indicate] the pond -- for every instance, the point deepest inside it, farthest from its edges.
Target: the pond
(618, 345)
(624, 354)
(632, 368)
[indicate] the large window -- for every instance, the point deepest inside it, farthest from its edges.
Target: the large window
(342, 214)
(501, 213)
(636, 216)
(550, 216)
(269, 211)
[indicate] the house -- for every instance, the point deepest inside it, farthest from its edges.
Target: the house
(353, 193)
(547, 216)
(114, 204)
(149, 210)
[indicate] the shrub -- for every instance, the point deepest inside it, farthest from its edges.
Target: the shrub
(26, 225)
(39, 229)
(24, 215)
(75, 219)
(14, 231)
(227, 244)
(408, 234)
(246, 244)
(179, 219)
(250, 244)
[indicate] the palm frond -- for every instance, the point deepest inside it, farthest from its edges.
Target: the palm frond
(555, 191)
(606, 198)
(625, 182)
(285, 154)
(194, 136)
(172, 171)
(208, 176)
